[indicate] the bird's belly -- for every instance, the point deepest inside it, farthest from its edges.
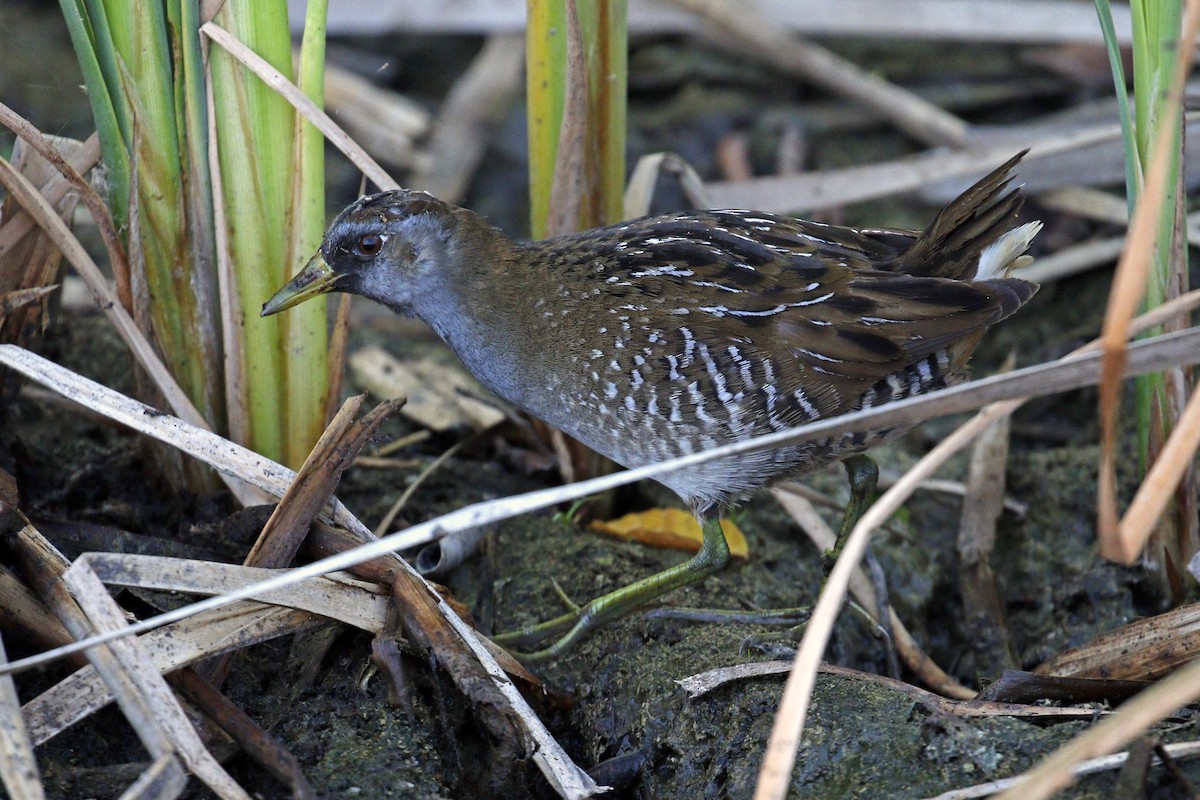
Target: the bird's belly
(633, 437)
(641, 412)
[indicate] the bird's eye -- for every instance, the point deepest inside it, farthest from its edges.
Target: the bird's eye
(369, 244)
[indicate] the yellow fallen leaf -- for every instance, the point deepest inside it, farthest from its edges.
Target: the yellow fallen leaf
(670, 527)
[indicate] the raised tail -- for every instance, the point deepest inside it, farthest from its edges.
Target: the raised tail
(975, 236)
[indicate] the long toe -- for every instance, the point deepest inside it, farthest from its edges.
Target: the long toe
(781, 646)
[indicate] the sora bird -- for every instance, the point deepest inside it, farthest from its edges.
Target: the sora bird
(668, 335)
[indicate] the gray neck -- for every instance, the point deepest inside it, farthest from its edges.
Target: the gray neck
(489, 350)
(480, 322)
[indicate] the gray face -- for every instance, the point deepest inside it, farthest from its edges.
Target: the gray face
(390, 247)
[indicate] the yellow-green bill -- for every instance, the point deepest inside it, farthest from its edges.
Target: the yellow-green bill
(316, 278)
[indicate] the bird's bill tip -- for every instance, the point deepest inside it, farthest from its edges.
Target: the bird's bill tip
(316, 278)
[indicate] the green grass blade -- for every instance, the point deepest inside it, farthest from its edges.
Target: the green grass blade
(191, 111)
(603, 24)
(1156, 25)
(1133, 170)
(306, 336)
(256, 254)
(106, 55)
(148, 85)
(104, 111)
(545, 55)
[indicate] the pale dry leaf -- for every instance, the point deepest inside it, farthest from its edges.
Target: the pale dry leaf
(1146, 649)
(164, 778)
(639, 191)
(440, 397)
(329, 596)
(18, 767)
(84, 692)
(105, 614)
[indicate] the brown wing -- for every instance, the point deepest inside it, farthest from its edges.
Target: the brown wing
(852, 329)
(781, 308)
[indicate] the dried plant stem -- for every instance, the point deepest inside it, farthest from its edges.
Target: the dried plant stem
(1091, 766)
(37, 207)
(151, 688)
(835, 187)
(1128, 289)
(95, 204)
(33, 202)
(388, 518)
(1164, 476)
(1152, 705)
(18, 768)
(754, 35)
(286, 89)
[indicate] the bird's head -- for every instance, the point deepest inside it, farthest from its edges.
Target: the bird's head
(390, 247)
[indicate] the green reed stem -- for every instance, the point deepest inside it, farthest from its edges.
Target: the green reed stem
(605, 35)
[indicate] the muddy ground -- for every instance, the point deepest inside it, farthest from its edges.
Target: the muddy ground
(860, 741)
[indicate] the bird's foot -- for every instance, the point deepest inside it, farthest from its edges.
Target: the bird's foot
(781, 645)
(754, 616)
(568, 627)
(580, 620)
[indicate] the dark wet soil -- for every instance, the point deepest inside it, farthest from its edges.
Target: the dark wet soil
(861, 741)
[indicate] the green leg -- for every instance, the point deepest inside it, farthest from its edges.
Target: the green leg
(864, 477)
(714, 554)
